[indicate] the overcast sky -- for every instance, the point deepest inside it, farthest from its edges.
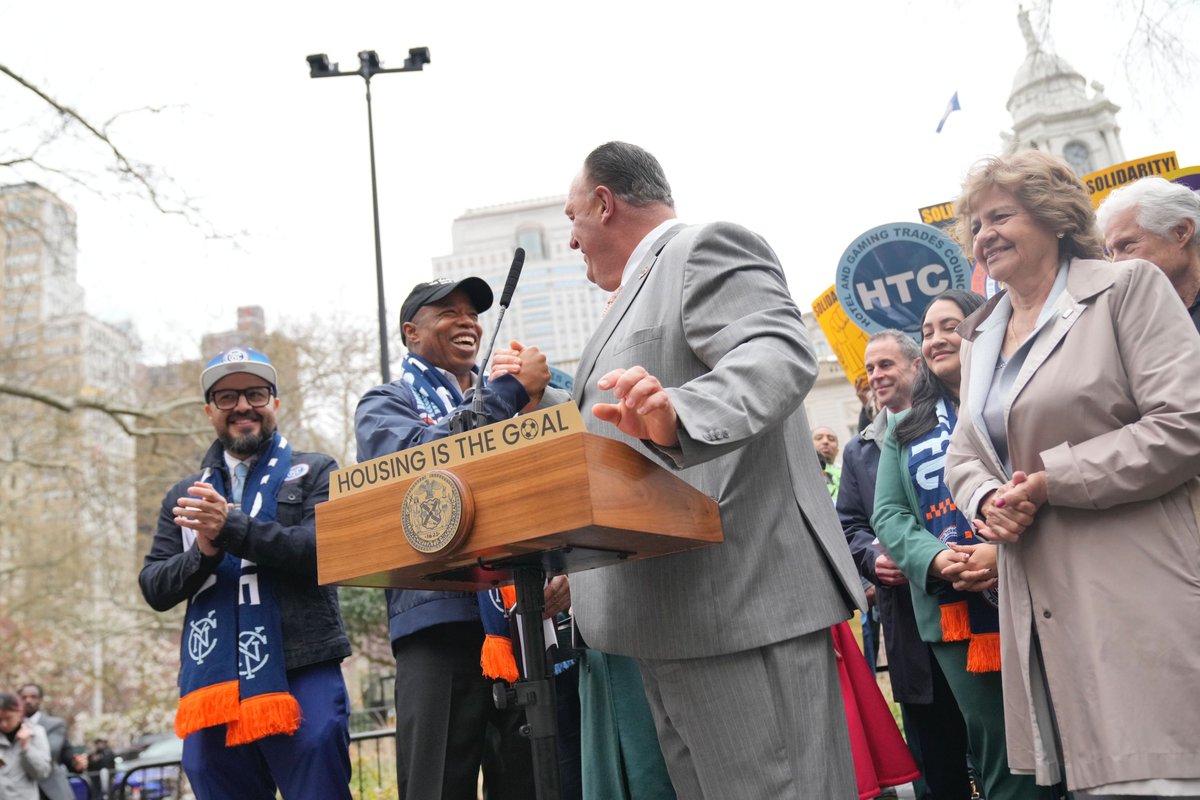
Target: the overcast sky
(809, 124)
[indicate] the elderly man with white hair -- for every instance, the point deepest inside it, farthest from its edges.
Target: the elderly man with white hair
(1159, 221)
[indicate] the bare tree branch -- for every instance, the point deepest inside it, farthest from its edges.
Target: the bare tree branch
(126, 167)
(150, 109)
(34, 464)
(115, 412)
(149, 182)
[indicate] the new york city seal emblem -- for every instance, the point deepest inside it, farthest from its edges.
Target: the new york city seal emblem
(437, 513)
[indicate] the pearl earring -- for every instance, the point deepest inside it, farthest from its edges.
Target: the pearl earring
(1060, 234)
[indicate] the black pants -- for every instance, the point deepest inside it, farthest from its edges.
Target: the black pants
(447, 724)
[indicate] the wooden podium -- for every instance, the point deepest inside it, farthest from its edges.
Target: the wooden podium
(544, 492)
(508, 503)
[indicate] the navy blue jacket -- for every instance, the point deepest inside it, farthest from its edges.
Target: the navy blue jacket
(908, 657)
(286, 549)
(387, 420)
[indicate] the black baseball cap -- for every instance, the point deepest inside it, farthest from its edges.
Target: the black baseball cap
(431, 291)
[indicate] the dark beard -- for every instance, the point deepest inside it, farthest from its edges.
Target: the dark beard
(248, 445)
(243, 446)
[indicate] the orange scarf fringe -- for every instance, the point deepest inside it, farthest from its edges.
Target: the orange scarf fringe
(983, 649)
(497, 658)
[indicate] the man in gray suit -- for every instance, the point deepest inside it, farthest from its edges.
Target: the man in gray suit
(56, 786)
(701, 362)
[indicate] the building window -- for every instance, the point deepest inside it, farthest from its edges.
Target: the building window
(1079, 156)
(533, 239)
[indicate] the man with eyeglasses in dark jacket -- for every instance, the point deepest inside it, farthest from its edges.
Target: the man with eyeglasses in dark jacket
(262, 700)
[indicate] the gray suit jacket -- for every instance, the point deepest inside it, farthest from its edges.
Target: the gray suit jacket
(709, 314)
(57, 786)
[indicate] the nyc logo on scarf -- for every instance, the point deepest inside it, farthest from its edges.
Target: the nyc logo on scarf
(232, 665)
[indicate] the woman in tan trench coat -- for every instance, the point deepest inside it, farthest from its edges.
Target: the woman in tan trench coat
(1077, 446)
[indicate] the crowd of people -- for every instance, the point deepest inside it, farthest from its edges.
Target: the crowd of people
(36, 754)
(1039, 497)
(1017, 518)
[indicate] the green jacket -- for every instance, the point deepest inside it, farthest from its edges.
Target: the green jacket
(897, 523)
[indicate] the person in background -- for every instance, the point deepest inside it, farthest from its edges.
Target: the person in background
(55, 786)
(933, 724)
(1157, 221)
(869, 407)
(24, 752)
(100, 757)
(1078, 449)
(949, 571)
(825, 441)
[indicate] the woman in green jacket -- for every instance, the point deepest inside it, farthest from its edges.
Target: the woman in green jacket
(952, 574)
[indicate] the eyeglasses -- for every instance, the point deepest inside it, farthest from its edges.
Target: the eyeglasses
(227, 399)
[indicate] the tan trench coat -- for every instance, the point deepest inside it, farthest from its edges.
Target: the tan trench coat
(1108, 403)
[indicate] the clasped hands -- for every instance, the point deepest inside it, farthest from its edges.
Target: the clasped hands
(1009, 510)
(527, 364)
(966, 567)
(205, 512)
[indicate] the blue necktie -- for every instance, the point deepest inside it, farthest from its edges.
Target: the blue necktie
(239, 481)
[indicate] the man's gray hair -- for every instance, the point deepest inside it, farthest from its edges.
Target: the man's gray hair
(908, 345)
(1161, 206)
(630, 173)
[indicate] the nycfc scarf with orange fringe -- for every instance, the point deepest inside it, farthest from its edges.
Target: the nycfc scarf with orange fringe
(966, 616)
(436, 397)
(232, 664)
(498, 658)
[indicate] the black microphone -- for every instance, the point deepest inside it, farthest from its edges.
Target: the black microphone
(510, 285)
(475, 418)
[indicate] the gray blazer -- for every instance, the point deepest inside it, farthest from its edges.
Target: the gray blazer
(709, 314)
(56, 786)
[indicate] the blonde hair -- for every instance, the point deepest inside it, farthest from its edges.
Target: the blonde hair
(1047, 188)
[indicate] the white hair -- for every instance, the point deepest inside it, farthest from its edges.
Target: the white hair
(1161, 206)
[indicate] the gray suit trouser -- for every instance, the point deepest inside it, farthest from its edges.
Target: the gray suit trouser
(760, 724)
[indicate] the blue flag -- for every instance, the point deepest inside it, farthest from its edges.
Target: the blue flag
(951, 107)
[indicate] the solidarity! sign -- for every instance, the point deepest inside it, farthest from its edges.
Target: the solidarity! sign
(890, 273)
(1101, 183)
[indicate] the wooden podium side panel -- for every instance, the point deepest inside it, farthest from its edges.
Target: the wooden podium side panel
(630, 492)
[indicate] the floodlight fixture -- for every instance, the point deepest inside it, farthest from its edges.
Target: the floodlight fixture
(369, 65)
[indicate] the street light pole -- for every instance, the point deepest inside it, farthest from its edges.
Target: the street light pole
(369, 65)
(384, 360)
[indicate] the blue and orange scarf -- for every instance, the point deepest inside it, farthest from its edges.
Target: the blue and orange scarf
(966, 616)
(232, 662)
(437, 396)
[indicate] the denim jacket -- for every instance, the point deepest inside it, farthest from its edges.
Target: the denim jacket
(313, 630)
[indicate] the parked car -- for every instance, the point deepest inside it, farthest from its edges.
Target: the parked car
(141, 743)
(155, 774)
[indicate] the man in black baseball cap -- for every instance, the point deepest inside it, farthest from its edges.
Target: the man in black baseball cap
(443, 702)
(423, 294)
